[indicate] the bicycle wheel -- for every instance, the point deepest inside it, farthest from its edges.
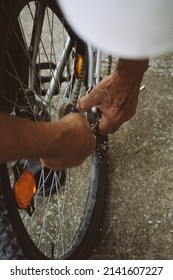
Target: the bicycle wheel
(41, 69)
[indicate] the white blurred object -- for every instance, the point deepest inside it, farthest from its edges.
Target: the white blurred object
(126, 28)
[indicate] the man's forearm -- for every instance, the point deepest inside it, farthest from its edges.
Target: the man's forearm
(21, 138)
(59, 145)
(132, 69)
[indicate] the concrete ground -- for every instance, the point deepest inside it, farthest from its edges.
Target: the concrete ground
(138, 221)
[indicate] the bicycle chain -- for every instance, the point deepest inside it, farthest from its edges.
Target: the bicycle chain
(71, 107)
(109, 64)
(101, 141)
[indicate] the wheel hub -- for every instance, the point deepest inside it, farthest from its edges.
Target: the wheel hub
(27, 106)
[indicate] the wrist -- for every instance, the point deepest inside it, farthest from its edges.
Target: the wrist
(132, 69)
(50, 140)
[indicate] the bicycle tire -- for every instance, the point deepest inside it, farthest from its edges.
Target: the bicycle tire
(16, 242)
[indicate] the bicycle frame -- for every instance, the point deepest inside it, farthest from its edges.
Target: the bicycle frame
(94, 69)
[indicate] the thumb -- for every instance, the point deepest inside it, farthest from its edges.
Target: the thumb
(88, 101)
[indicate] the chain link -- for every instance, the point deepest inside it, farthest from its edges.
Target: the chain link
(109, 64)
(102, 141)
(71, 107)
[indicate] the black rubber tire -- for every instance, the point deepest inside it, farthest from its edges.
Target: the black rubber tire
(15, 242)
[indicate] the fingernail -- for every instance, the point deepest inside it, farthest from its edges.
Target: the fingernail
(79, 107)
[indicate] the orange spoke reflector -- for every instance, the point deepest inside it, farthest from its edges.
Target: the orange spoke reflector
(78, 66)
(25, 189)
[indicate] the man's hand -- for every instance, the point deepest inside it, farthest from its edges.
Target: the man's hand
(61, 144)
(116, 95)
(75, 143)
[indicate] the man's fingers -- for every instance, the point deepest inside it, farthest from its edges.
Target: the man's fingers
(106, 126)
(85, 103)
(94, 98)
